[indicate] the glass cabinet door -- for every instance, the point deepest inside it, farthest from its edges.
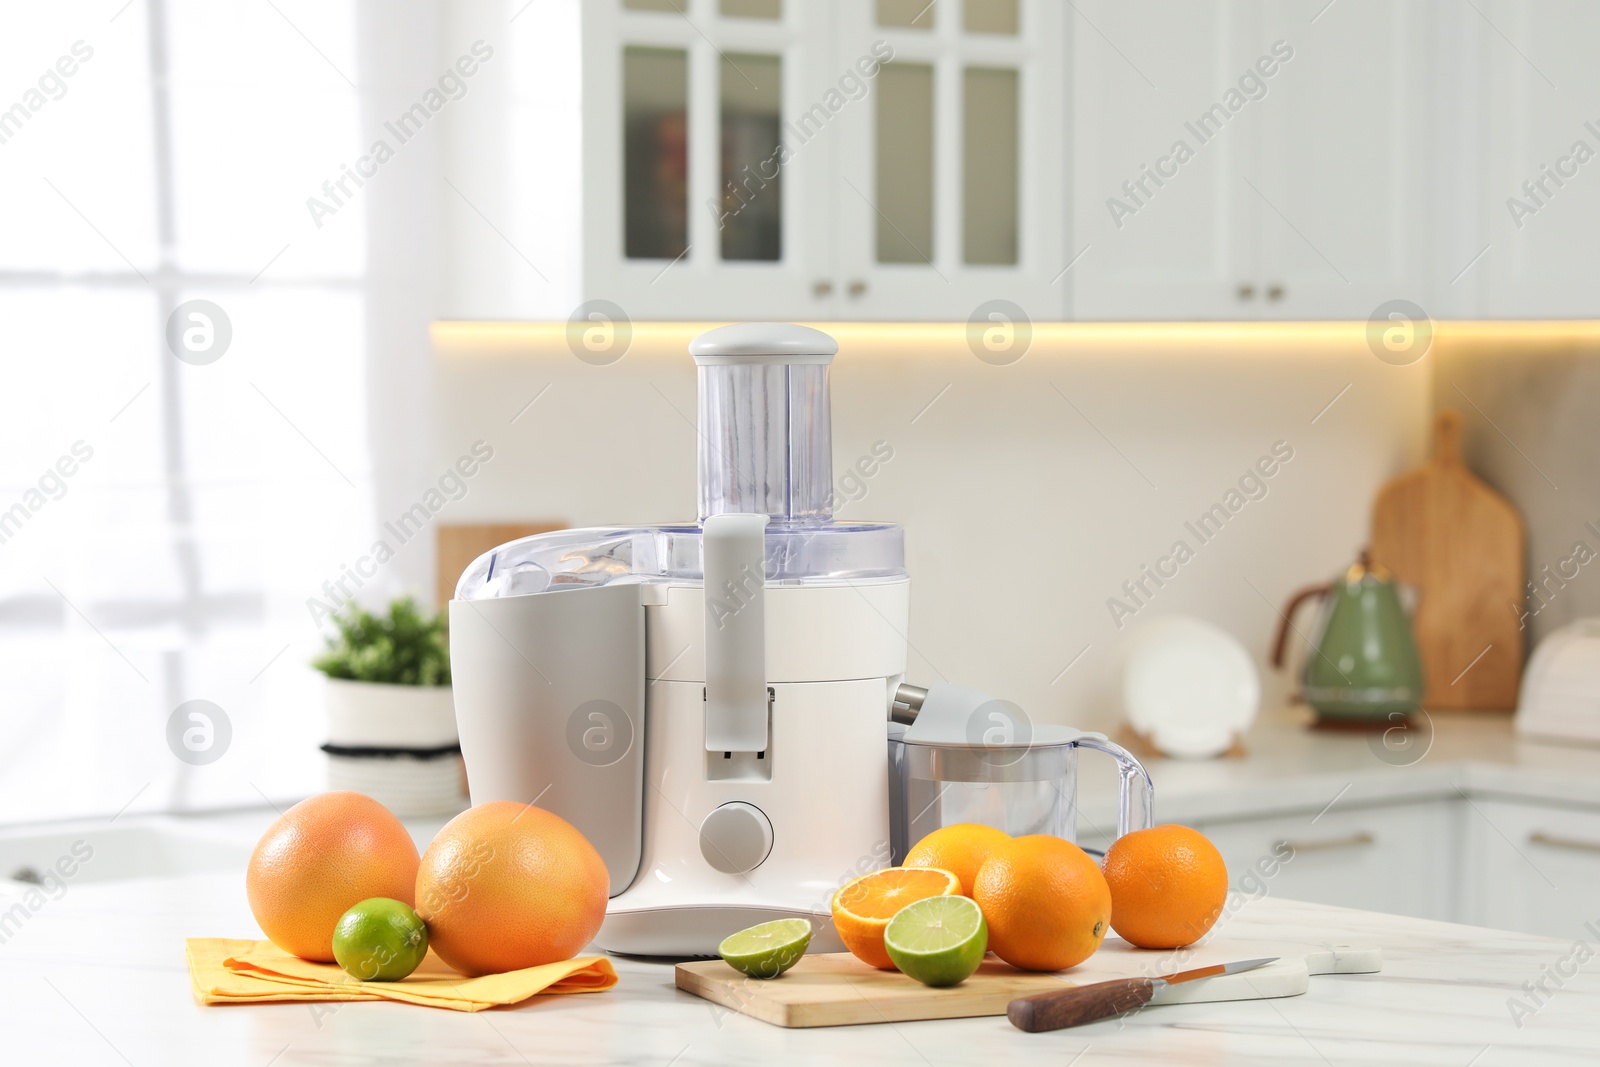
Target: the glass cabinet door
(697, 107)
(952, 187)
(655, 163)
(817, 159)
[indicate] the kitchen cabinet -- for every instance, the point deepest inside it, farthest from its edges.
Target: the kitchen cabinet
(1538, 191)
(1538, 868)
(1395, 857)
(1164, 231)
(690, 207)
(1232, 167)
(759, 159)
(1471, 857)
(823, 160)
(1334, 157)
(1344, 163)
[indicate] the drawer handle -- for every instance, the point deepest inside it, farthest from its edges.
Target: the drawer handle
(1539, 837)
(1356, 840)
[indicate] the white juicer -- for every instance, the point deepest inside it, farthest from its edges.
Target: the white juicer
(707, 702)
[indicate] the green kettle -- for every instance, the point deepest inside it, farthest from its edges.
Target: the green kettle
(1363, 666)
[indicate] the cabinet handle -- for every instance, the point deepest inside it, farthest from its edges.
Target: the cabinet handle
(1246, 291)
(1356, 840)
(821, 287)
(1274, 292)
(857, 289)
(1539, 837)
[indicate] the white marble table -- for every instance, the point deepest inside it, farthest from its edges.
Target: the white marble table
(98, 976)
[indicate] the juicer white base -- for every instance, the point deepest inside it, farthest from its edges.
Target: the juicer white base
(687, 930)
(826, 799)
(823, 783)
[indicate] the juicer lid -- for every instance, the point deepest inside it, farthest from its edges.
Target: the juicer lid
(763, 342)
(561, 560)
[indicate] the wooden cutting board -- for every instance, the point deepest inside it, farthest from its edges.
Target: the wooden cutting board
(1460, 543)
(836, 989)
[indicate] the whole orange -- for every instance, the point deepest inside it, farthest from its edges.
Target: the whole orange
(1046, 903)
(1168, 885)
(960, 848)
(507, 885)
(319, 858)
(863, 906)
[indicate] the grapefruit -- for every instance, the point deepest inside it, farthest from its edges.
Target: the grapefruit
(506, 886)
(319, 859)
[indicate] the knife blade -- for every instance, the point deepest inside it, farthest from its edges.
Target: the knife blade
(1076, 1005)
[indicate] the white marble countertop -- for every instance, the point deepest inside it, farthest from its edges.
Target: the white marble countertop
(98, 976)
(1287, 767)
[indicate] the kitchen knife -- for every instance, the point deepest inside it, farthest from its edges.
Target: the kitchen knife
(1086, 1003)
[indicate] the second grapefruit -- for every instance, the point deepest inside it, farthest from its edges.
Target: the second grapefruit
(322, 856)
(507, 885)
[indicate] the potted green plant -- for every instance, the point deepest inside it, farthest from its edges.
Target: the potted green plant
(391, 721)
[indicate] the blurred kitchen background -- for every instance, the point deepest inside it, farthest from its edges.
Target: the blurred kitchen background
(420, 227)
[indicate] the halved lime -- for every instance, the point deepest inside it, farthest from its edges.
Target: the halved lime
(380, 940)
(767, 950)
(938, 941)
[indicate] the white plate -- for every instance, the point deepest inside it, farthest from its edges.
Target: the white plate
(1189, 687)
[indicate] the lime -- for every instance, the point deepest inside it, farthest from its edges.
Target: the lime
(938, 941)
(380, 940)
(767, 950)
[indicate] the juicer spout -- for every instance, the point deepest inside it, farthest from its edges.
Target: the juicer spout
(907, 703)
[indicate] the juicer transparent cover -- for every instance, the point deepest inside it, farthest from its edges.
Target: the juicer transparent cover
(575, 559)
(765, 447)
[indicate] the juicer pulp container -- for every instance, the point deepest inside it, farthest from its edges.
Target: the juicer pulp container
(1021, 788)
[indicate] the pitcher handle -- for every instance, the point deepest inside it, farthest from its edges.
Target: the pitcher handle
(1130, 771)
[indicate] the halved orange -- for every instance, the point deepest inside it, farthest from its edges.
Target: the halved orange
(863, 907)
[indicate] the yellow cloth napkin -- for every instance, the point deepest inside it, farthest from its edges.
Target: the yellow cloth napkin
(225, 971)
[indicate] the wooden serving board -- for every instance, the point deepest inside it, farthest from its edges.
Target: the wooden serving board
(1460, 543)
(836, 989)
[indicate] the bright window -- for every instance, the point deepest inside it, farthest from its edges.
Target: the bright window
(163, 521)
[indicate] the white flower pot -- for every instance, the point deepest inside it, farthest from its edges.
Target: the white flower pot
(409, 725)
(390, 716)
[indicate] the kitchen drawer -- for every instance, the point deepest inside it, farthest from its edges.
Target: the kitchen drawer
(1396, 858)
(1531, 868)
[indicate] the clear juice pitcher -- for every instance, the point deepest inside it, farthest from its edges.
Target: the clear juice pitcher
(957, 756)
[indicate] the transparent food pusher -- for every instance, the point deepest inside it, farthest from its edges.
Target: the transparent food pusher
(708, 702)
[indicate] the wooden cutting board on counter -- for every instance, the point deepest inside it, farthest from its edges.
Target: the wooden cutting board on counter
(836, 989)
(1460, 543)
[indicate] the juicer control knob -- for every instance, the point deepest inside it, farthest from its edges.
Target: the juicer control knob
(736, 837)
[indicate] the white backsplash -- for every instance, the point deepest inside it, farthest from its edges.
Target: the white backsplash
(1030, 492)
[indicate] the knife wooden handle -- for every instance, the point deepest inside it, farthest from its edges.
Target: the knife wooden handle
(1079, 1004)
